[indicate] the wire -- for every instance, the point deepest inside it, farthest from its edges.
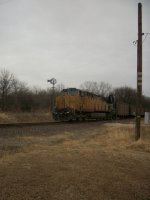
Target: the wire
(146, 34)
(136, 41)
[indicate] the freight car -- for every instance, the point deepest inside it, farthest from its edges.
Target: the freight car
(124, 110)
(75, 104)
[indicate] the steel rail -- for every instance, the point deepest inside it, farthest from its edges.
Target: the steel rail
(24, 124)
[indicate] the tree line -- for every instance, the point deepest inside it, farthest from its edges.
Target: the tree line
(15, 95)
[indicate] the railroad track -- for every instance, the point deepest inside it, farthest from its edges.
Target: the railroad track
(13, 129)
(34, 124)
(40, 128)
(44, 128)
(25, 124)
(29, 124)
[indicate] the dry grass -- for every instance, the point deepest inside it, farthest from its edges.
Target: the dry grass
(109, 137)
(25, 117)
(6, 117)
(85, 163)
(122, 137)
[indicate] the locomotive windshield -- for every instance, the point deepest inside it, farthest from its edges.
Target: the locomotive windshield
(70, 91)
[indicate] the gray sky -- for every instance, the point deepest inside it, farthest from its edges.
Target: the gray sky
(74, 41)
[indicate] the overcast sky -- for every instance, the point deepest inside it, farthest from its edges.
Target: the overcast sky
(74, 41)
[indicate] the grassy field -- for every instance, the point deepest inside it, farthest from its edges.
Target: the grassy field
(8, 117)
(77, 162)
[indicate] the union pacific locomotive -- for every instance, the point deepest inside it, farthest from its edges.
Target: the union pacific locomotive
(75, 104)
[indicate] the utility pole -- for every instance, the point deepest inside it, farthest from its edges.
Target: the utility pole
(139, 73)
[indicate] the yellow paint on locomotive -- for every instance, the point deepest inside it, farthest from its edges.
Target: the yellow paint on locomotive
(81, 103)
(68, 101)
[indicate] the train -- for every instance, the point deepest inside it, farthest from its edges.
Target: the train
(75, 104)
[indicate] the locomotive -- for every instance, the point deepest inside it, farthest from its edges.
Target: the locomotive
(75, 104)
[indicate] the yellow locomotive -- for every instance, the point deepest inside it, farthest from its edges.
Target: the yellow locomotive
(75, 104)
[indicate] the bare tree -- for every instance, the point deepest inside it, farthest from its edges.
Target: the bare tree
(102, 88)
(90, 86)
(105, 89)
(21, 94)
(6, 87)
(60, 87)
(125, 94)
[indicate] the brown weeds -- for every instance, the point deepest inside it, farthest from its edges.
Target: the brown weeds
(25, 117)
(88, 162)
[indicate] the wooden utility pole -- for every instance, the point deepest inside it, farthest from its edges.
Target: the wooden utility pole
(139, 73)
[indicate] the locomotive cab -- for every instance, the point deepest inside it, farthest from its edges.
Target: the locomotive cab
(70, 91)
(67, 105)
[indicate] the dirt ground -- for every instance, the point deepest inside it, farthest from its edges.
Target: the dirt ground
(76, 162)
